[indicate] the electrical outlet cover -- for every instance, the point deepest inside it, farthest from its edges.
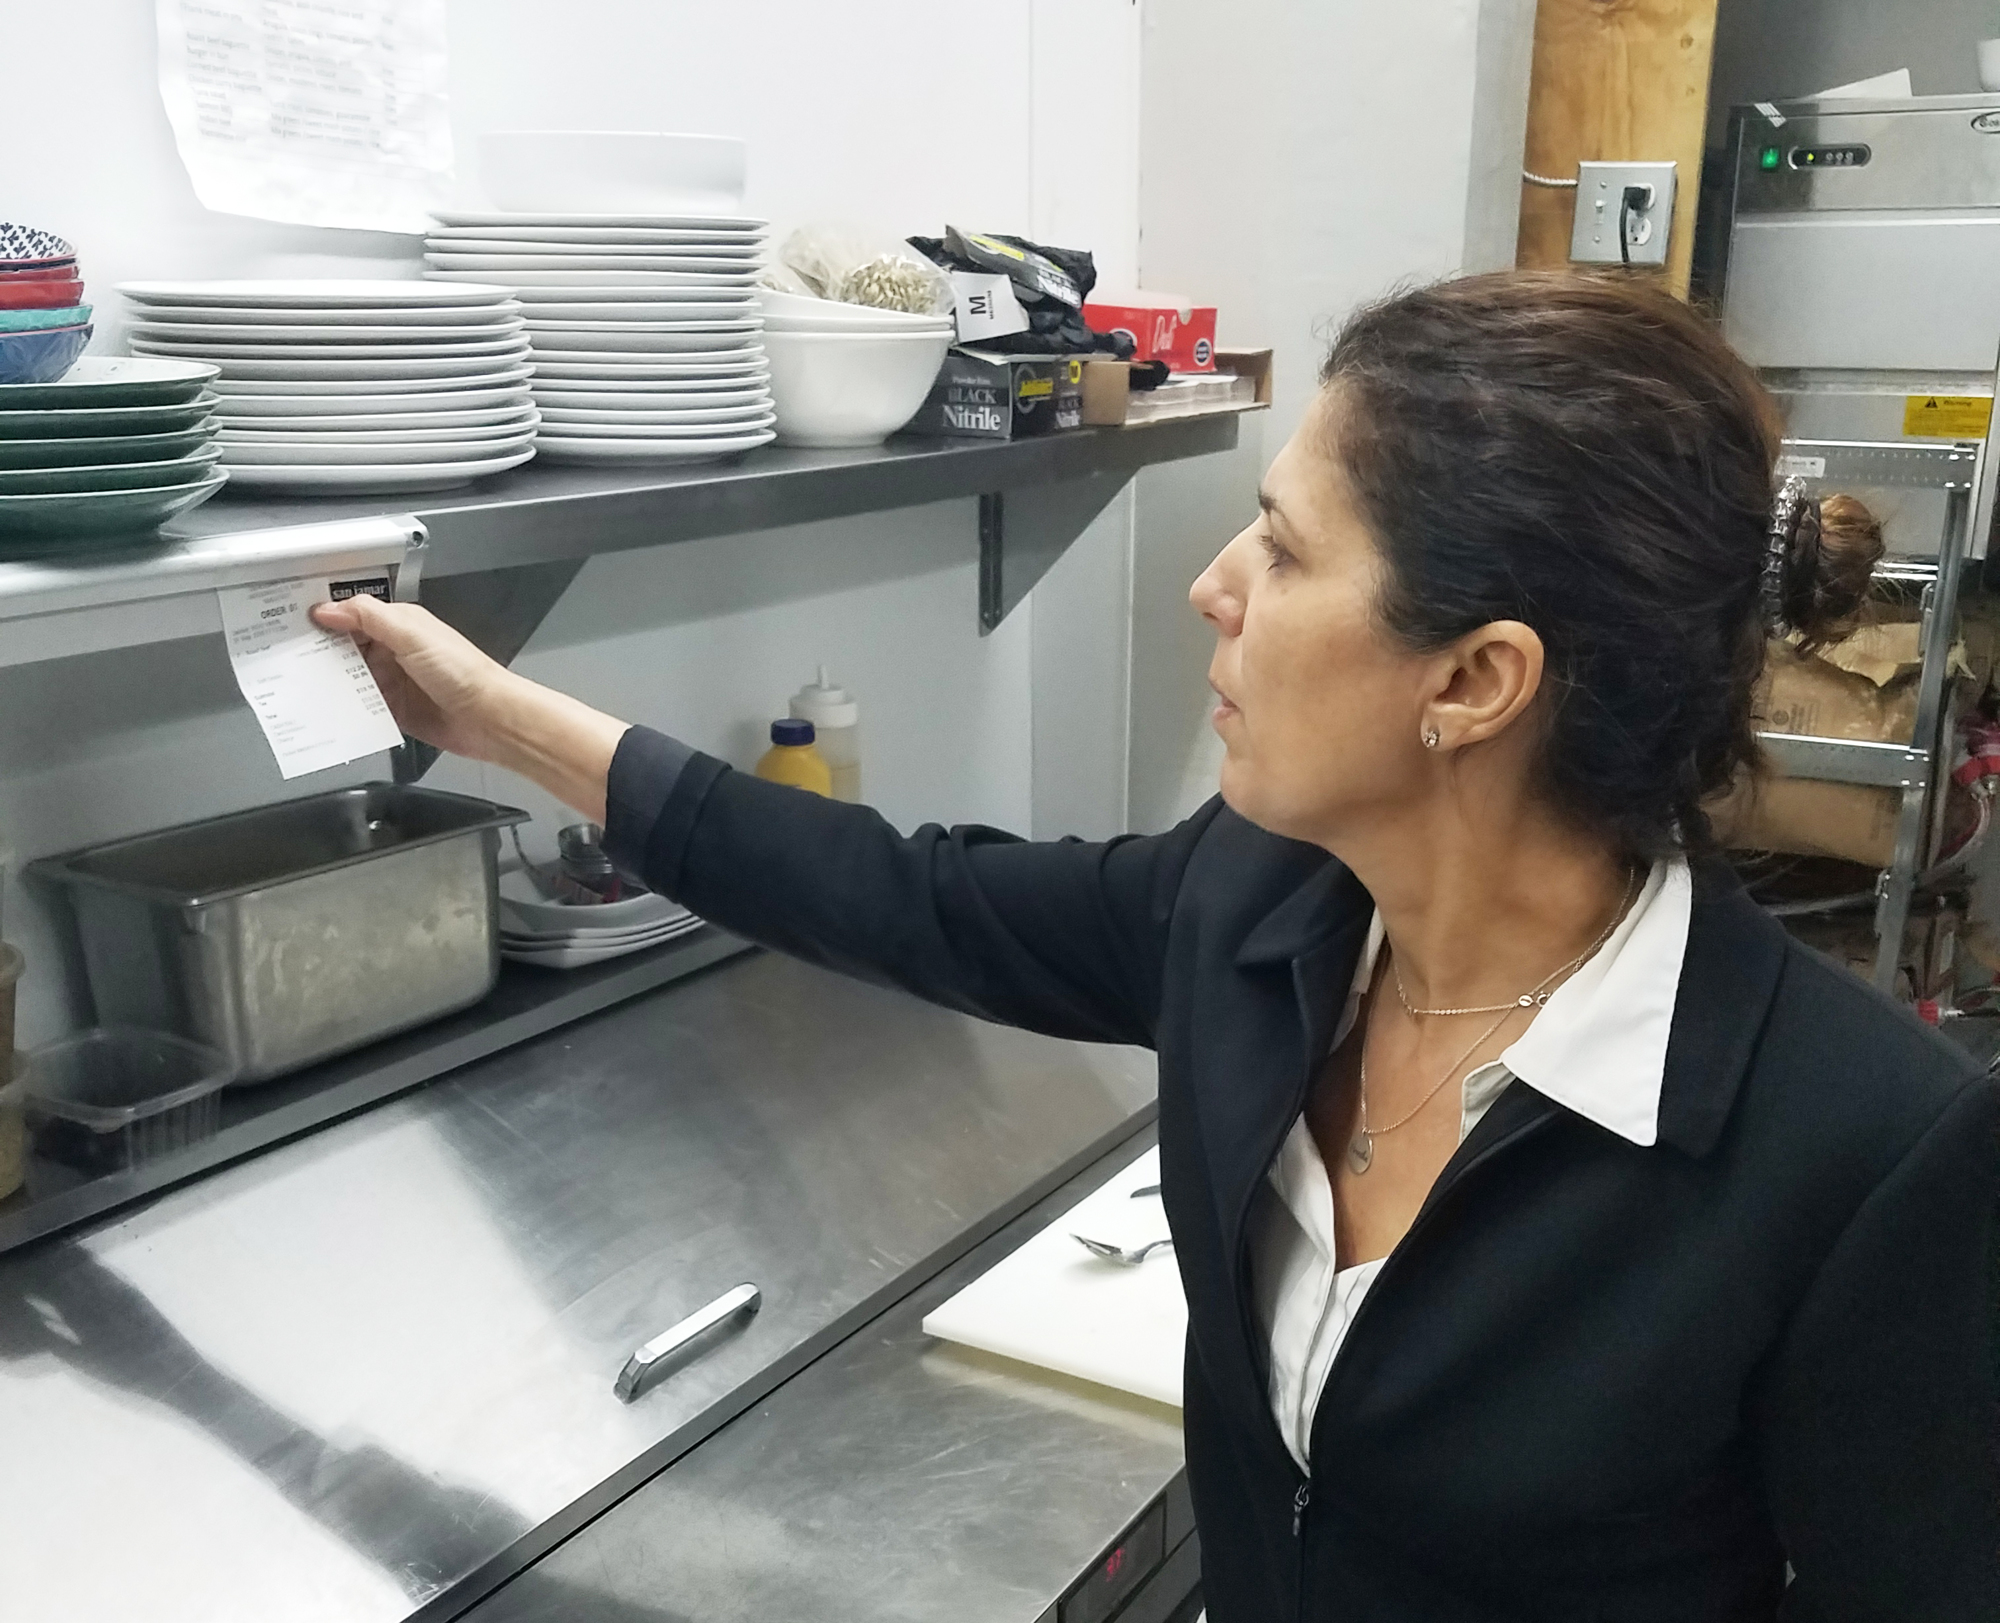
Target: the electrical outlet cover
(1600, 203)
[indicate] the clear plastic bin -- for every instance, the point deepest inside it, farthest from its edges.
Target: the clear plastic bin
(114, 1098)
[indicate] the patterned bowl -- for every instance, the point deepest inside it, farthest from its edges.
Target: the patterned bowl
(24, 247)
(40, 357)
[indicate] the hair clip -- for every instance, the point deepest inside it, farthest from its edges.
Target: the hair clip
(1786, 512)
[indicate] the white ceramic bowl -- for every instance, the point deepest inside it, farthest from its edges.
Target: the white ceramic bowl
(1989, 64)
(850, 388)
(612, 172)
(817, 315)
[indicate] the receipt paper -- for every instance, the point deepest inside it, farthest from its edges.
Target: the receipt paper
(312, 691)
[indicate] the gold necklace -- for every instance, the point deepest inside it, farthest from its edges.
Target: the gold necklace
(1535, 997)
(1361, 1148)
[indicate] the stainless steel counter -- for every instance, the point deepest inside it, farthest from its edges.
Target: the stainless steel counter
(898, 1477)
(368, 1375)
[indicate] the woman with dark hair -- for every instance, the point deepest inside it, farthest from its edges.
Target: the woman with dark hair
(1561, 1240)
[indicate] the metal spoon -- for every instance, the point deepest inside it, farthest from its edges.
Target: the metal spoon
(1118, 1253)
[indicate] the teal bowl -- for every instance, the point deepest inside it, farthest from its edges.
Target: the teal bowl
(40, 357)
(77, 315)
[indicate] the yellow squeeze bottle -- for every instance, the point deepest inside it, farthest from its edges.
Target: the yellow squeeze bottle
(793, 759)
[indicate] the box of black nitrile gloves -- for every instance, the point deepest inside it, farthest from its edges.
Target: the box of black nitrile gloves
(1002, 397)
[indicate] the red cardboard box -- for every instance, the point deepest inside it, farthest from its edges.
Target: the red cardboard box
(1163, 326)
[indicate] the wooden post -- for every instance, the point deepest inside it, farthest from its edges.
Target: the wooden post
(1623, 80)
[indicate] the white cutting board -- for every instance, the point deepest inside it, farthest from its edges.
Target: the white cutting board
(1051, 1303)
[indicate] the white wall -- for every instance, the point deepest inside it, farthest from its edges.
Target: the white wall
(1285, 159)
(1297, 160)
(856, 112)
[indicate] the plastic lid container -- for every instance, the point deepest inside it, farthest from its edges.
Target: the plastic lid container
(791, 732)
(827, 707)
(117, 1097)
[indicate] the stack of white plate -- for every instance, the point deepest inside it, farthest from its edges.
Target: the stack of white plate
(647, 338)
(358, 387)
(563, 935)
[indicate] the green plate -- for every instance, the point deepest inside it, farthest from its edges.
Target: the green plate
(97, 449)
(49, 423)
(113, 380)
(196, 465)
(34, 519)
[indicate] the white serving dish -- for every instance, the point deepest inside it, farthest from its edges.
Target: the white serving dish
(649, 311)
(250, 332)
(651, 397)
(630, 429)
(525, 910)
(346, 453)
(312, 294)
(505, 343)
(267, 432)
(730, 258)
(613, 171)
(537, 219)
(375, 479)
(564, 283)
(640, 338)
(470, 389)
(665, 268)
(535, 239)
(202, 317)
(640, 420)
(366, 419)
(560, 448)
(432, 371)
(841, 389)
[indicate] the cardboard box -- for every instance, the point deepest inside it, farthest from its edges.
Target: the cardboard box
(1108, 395)
(1162, 326)
(1002, 397)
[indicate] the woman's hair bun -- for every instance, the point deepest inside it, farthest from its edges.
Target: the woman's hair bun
(1829, 563)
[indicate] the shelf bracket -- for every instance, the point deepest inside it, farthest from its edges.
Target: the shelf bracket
(496, 609)
(1022, 534)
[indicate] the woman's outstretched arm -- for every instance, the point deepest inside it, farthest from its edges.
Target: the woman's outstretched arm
(1063, 937)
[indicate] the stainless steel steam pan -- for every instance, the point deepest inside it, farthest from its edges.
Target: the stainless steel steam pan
(293, 932)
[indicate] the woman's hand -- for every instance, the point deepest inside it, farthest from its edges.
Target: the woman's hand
(443, 690)
(439, 687)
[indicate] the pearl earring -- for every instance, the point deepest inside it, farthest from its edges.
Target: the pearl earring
(1430, 738)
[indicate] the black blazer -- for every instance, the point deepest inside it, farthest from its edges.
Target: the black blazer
(1595, 1381)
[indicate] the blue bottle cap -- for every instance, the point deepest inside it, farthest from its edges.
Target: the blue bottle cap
(791, 730)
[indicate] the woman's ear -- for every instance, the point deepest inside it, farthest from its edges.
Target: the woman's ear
(1483, 683)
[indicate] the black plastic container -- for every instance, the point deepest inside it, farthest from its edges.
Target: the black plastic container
(113, 1098)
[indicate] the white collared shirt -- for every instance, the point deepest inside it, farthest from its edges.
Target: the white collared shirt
(1597, 1048)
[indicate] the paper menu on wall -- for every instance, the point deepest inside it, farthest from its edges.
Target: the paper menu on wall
(312, 112)
(312, 691)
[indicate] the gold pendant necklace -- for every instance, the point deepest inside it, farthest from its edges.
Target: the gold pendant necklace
(1361, 1147)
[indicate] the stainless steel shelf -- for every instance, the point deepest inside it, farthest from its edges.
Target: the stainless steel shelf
(545, 513)
(1846, 760)
(527, 1004)
(542, 522)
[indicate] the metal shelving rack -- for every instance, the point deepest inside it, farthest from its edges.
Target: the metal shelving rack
(1921, 767)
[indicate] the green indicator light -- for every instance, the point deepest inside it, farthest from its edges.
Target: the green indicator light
(1770, 158)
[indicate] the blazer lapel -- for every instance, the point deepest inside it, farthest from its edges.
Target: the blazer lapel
(1295, 965)
(1735, 957)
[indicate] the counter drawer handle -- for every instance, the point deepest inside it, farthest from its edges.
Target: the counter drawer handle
(642, 1365)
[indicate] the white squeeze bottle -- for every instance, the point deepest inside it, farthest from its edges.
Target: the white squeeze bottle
(836, 720)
